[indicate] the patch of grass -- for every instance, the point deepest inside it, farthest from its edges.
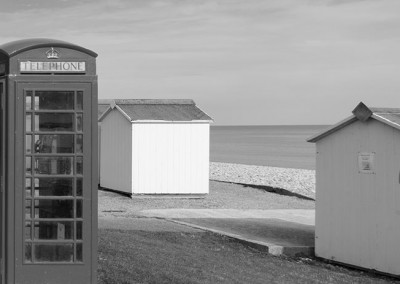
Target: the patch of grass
(173, 257)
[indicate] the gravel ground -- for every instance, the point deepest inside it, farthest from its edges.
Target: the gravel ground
(223, 195)
(297, 181)
(232, 186)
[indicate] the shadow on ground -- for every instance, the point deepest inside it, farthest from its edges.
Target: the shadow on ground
(271, 189)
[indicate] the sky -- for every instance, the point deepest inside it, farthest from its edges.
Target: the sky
(244, 62)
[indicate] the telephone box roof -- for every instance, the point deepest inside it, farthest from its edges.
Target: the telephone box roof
(13, 48)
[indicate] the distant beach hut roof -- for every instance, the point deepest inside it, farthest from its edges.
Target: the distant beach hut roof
(148, 110)
(102, 106)
(389, 116)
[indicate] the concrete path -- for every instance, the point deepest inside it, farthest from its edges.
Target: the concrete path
(287, 232)
(143, 224)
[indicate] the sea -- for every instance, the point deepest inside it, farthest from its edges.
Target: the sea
(282, 146)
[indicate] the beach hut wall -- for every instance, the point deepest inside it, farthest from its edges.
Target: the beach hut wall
(358, 190)
(102, 106)
(155, 147)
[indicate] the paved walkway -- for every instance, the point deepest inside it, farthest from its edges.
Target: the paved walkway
(287, 232)
(143, 224)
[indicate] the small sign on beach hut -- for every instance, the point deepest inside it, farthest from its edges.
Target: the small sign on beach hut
(358, 190)
(155, 147)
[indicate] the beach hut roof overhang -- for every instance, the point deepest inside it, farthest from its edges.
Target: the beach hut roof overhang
(102, 106)
(389, 116)
(158, 110)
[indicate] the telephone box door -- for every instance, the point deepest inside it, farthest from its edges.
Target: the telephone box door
(53, 200)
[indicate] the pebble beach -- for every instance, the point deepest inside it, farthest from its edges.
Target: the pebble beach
(298, 181)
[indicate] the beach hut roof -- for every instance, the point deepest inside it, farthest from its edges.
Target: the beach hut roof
(158, 110)
(102, 106)
(389, 116)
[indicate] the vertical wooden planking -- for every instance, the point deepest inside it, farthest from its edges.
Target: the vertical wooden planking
(173, 158)
(320, 247)
(204, 158)
(380, 133)
(116, 164)
(357, 214)
(135, 134)
(386, 224)
(147, 155)
(366, 235)
(169, 159)
(99, 149)
(178, 175)
(393, 248)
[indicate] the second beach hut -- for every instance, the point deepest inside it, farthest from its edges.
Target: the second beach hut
(357, 217)
(102, 106)
(155, 147)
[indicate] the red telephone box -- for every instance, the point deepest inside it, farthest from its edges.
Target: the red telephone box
(48, 162)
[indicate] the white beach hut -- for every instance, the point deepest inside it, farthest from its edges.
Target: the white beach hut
(102, 106)
(155, 147)
(358, 190)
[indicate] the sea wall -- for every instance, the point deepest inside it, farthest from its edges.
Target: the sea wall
(297, 181)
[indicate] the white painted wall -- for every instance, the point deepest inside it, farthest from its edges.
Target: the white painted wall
(116, 152)
(170, 158)
(358, 215)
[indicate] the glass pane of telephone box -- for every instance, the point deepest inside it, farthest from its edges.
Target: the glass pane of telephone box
(28, 252)
(54, 143)
(28, 187)
(79, 122)
(28, 122)
(28, 100)
(54, 165)
(79, 165)
(79, 187)
(79, 208)
(54, 100)
(54, 121)
(53, 186)
(28, 144)
(28, 230)
(28, 209)
(45, 208)
(28, 165)
(79, 144)
(79, 102)
(54, 230)
(79, 252)
(79, 230)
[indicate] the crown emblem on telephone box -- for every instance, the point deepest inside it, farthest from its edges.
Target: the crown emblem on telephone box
(52, 54)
